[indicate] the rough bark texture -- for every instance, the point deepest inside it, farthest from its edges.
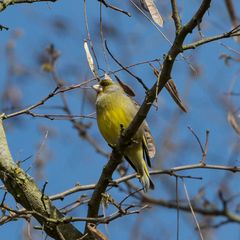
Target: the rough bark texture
(25, 191)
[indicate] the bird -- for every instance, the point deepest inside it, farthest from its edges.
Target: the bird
(115, 110)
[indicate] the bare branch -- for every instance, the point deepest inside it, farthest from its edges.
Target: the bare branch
(5, 3)
(126, 178)
(192, 210)
(104, 2)
(232, 33)
(28, 109)
(128, 71)
(176, 16)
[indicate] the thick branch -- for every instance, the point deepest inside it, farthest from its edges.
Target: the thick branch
(25, 191)
(176, 16)
(106, 176)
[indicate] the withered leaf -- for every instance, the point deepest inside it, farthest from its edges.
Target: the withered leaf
(233, 122)
(172, 89)
(154, 12)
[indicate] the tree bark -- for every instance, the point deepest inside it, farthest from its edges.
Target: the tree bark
(25, 191)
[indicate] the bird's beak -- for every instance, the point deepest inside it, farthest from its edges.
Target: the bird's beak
(97, 88)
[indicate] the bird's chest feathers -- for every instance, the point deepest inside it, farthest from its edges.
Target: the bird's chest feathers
(113, 116)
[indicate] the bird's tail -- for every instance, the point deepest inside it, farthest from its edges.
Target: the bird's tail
(145, 179)
(136, 160)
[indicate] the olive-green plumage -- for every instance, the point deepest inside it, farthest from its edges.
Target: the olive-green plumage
(115, 111)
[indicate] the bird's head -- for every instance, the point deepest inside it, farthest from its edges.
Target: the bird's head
(106, 85)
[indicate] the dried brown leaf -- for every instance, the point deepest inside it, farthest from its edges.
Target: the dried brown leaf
(233, 122)
(172, 89)
(90, 60)
(154, 12)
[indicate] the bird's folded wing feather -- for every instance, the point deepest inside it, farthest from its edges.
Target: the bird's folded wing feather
(149, 140)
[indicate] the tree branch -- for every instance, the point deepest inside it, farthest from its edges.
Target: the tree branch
(176, 17)
(5, 3)
(107, 5)
(220, 212)
(170, 171)
(25, 191)
(233, 33)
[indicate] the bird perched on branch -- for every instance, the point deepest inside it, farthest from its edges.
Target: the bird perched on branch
(115, 111)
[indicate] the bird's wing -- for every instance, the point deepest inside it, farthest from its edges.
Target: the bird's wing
(149, 148)
(148, 143)
(148, 140)
(126, 88)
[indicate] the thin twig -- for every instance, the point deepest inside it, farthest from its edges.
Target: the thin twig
(114, 8)
(197, 138)
(178, 211)
(170, 172)
(192, 211)
(132, 74)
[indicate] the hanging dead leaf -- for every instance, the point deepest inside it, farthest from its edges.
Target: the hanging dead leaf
(233, 122)
(154, 12)
(172, 89)
(90, 60)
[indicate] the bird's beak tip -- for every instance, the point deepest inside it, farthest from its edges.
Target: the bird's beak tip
(97, 88)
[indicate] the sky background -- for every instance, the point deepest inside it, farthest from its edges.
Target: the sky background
(69, 159)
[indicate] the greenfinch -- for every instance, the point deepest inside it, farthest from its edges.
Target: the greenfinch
(115, 110)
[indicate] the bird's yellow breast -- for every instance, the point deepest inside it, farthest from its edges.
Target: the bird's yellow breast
(114, 116)
(112, 122)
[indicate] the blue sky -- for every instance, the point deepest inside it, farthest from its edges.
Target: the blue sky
(69, 159)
